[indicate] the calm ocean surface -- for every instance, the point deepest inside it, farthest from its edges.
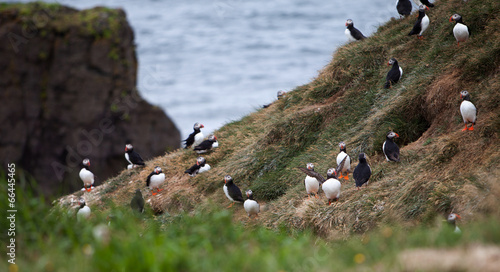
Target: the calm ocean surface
(216, 61)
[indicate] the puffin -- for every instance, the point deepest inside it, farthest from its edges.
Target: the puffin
(347, 165)
(362, 172)
(424, 2)
(196, 137)
(460, 31)
(394, 75)
(232, 191)
(137, 202)
(421, 24)
(403, 7)
(331, 186)
(251, 206)
(312, 180)
(155, 179)
(83, 211)
(352, 33)
(279, 95)
(86, 176)
(468, 110)
(390, 148)
(452, 220)
(133, 157)
(199, 167)
(207, 145)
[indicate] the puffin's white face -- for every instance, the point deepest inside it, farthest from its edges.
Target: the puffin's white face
(280, 94)
(392, 134)
(341, 145)
(128, 147)
(463, 94)
(200, 160)
(158, 170)
(348, 22)
(455, 17)
(421, 8)
(227, 178)
(198, 126)
(391, 61)
(310, 166)
(86, 162)
(212, 138)
(249, 193)
(453, 216)
(81, 201)
(331, 172)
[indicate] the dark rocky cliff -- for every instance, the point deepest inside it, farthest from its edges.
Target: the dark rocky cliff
(68, 91)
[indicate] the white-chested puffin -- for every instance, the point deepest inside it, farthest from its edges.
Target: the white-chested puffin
(468, 110)
(312, 180)
(403, 7)
(421, 24)
(460, 31)
(207, 145)
(452, 220)
(331, 186)
(87, 176)
(196, 137)
(83, 211)
(251, 206)
(352, 33)
(232, 191)
(199, 167)
(347, 164)
(394, 75)
(137, 202)
(362, 172)
(390, 148)
(133, 157)
(155, 179)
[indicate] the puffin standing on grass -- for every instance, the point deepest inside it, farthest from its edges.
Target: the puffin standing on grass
(468, 110)
(137, 202)
(390, 148)
(87, 176)
(196, 137)
(352, 33)
(452, 220)
(342, 156)
(421, 24)
(312, 180)
(394, 75)
(460, 31)
(331, 186)
(362, 172)
(155, 179)
(207, 145)
(199, 167)
(83, 211)
(133, 157)
(251, 206)
(232, 191)
(403, 7)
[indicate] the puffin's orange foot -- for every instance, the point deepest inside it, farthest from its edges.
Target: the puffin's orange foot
(341, 176)
(230, 205)
(88, 190)
(346, 177)
(159, 190)
(465, 128)
(471, 128)
(154, 193)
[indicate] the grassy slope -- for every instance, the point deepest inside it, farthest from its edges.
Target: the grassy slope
(442, 168)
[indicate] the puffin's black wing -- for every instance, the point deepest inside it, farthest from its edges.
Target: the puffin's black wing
(135, 158)
(362, 174)
(391, 151)
(190, 139)
(312, 173)
(235, 193)
(404, 7)
(148, 180)
(205, 145)
(137, 203)
(193, 169)
(357, 34)
(417, 27)
(340, 166)
(392, 76)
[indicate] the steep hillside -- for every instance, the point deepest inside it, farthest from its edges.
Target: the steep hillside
(442, 169)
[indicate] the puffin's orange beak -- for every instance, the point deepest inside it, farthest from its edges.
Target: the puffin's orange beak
(397, 135)
(451, 19)
(427, 8)
(197, 163)
(458, 216)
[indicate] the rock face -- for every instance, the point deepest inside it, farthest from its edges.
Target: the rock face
(68, 91)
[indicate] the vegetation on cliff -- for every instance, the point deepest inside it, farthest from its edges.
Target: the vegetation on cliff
(443, 169)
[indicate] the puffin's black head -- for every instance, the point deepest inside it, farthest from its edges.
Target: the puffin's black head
(331, 173)
(249, 194)
(392, 61)
(362, 157)
(200, 161)
(422, 8)
(281, 94)
(452, 218)
(391, 135)
(138, 193)
(455, 17)
(228, 179)
(310, 166)
(82, 203)
(158, 170)
(128, 148)
(342, 146)
(465, 95)
(212, 138)
(86, 162)
(197, 126)
(349, 23)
